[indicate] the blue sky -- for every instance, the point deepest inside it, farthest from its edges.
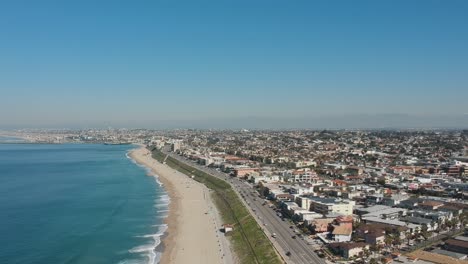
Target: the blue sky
(149, 63)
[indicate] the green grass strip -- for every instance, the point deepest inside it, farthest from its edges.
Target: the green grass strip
(250, 243)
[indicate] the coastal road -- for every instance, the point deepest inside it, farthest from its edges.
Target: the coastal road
(266, 218)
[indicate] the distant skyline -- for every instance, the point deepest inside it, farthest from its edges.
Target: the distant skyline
(231, 64)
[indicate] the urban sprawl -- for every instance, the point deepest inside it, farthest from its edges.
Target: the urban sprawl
(376, 196)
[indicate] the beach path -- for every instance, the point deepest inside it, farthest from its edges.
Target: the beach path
(193, 222)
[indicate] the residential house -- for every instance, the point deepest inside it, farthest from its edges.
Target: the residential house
(349, 250)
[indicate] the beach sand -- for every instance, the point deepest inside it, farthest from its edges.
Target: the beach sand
(193, 234)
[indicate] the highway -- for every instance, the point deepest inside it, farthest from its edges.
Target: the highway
(266, 217)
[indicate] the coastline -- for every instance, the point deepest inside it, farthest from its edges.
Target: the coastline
(193, 223)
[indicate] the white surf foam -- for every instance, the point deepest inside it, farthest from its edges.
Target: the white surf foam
(150, 249)
(131, 261)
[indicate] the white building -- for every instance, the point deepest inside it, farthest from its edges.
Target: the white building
(331, 205)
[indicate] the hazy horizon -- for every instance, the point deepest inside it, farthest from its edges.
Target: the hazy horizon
(216, 64)
(364, 121)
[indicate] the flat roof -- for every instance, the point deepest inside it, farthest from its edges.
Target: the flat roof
(390, 222)
(449, 253)
(463, 238)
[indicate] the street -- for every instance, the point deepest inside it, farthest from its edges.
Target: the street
(266, 217)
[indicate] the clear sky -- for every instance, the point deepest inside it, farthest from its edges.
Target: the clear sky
(174, 63)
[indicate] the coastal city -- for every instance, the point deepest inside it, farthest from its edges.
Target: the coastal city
(234, 132)
(325, 196)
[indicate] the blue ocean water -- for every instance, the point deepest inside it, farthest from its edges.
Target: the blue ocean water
(4, 139)
(78, 203)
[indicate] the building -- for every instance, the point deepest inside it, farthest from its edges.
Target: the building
(301, 175)
(349, 250)
(176, 145)
(381, 211)
(331, 205)
(374, 233)
(244, 171)
(375, 237)
(305, 163)
(456, 245)
(307, 216)
(300, 190)
(341, 233)
(374, 198)
(268, 179)
(321, 225)
(394, 199)
(430, 205)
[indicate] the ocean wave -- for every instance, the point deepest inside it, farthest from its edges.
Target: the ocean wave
(131, 261)
(149, 172)
(163, 216)
(164, 197)
(150, 249)
(161, 203)
(160, 206)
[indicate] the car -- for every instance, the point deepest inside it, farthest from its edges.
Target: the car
(288, 253)
(293, 237)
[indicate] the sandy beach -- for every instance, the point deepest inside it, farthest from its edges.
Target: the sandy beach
(193, 234)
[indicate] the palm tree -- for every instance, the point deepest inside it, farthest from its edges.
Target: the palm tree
(366, 252)
(388, 239)
(439, 225)
(450, 223)
(424, 231)
(375, 248)
(463, 219)
(456, 221)
(408, 235)
(397, 240)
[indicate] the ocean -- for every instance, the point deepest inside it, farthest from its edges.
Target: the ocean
(78, 203)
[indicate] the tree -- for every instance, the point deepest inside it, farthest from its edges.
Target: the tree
(381, 181)
(397, 240)
(424, 232)
(408, 236)
(439, 225)
(374, 248)
(456, 221)
(388, 240)
(366, 252)
(463, 219)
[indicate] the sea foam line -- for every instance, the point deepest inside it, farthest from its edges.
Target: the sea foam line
(148, 171)
(150, 249)
(162, 202)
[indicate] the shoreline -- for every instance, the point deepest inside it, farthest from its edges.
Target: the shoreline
(192, 234)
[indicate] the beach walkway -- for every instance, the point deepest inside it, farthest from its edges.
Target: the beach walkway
(193, 223)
